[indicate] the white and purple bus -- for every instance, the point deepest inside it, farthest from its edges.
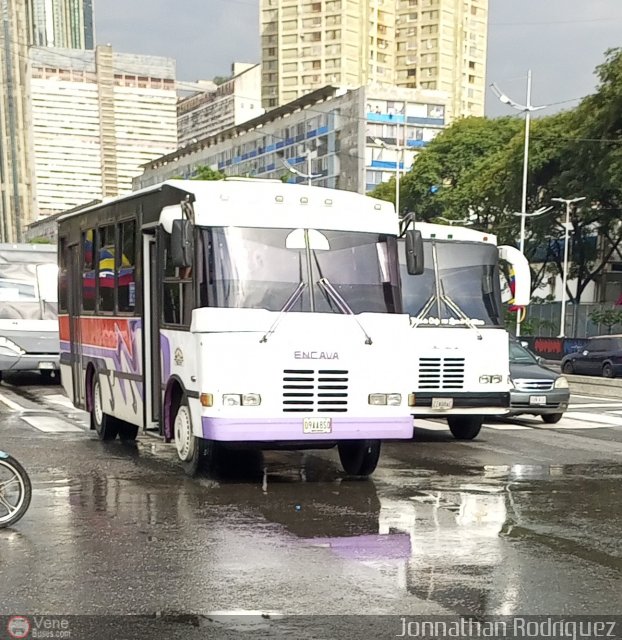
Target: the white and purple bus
(238, 312)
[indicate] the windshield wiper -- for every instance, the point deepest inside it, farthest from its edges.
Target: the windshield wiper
(458, 311)
(343, 306)
(289, 303)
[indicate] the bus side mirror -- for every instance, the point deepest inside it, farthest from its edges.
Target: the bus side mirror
(182, 243)
(414, 252)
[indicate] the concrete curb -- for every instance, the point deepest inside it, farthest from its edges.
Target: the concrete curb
(596, 386)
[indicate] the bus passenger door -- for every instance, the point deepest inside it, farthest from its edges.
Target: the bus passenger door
(151, 334)
(75, 333)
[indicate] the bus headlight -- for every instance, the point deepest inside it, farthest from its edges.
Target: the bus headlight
(241, 399)
(490, 379)
(561, 383)
(11, 346)
(391, 399)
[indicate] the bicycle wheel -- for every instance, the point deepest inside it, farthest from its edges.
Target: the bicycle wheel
(15, 491)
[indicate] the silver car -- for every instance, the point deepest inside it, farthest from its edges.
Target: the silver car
(537, 390)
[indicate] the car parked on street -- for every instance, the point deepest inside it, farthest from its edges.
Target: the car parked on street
(601, 356)
(537, 390)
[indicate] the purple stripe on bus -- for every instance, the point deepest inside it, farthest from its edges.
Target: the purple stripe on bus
(290, 429)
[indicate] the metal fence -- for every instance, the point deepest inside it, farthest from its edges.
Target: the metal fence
(544, 320)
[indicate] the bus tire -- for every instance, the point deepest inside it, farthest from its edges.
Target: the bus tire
(465, 427)
(196, 455)
(107, 427)
(359, 457)
(128, 432)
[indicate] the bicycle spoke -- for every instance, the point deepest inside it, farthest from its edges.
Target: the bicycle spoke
(11, 509)
(9, 482)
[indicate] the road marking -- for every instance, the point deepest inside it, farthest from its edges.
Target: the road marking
(578, 395)
(51, 424)
(9, 403)
(603, 418)
(506, 427)
(595, 405)
(429, 425)
(62, 400)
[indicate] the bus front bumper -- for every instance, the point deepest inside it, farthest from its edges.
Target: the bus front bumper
(292, 429)
(494, 403)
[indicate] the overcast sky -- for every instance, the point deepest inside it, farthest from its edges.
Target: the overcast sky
(562, 41)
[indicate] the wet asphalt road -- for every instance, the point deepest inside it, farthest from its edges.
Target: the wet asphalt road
(520, 521)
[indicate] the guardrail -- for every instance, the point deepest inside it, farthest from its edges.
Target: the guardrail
(595, 386)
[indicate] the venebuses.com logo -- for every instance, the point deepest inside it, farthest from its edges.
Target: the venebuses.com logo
(18, 627)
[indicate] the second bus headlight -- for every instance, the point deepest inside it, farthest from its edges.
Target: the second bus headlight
(241, 399)
(391, 399)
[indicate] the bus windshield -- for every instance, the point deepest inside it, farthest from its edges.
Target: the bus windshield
(460, 285)
(260, 268)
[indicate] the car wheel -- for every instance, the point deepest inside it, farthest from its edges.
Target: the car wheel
(568, 367)
(465, 427)
(608, 371)
(552, 418)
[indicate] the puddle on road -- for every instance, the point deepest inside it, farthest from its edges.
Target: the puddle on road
(455, 538)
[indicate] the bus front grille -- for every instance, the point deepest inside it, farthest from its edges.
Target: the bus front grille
(441, 373)
(311, 391)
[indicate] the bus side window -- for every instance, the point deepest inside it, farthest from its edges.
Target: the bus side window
(106, 267)
(63, 276)
(88, 270)
(177, 289)
(126, 267)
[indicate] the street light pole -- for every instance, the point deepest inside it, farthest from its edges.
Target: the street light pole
(400, 159)
(568, 202)
(526, 109)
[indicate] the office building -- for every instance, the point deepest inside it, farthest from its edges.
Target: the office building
(17, 194)
(61, 23)
(216, 108)
(343, 138)
(97, 116)
(419, 44)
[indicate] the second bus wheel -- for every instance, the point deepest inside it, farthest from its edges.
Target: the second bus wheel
(465, 427)
(359, 457)
(106, 426)
(196, 454)
(128, 432)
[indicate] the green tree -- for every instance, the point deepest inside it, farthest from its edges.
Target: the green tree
(607, 317)
(207, 173)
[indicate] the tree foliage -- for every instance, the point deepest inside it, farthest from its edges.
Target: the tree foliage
(207, 173)
(474, 169)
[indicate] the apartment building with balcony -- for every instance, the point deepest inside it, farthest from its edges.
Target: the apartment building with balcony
(207, 112)
(346, 138)
(419, 44)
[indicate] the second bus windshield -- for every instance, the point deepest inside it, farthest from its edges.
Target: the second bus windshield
(460, 278)
(260, 268)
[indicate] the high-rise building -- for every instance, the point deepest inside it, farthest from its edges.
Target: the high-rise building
(97, 117)
(422, 44)
(219, 107)
(17, 193)
(60, 23)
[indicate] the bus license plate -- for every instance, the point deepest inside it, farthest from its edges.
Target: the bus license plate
(317, 425)
(442, 403)
(537, 399)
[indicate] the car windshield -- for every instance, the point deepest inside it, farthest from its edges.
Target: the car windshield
(259, 268)
(520, 355)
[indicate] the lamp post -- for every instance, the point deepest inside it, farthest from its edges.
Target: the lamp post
(309, 176)
(568, 202)
(400, 160)
(526, 109)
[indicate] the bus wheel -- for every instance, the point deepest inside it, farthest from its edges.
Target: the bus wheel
(127, 431)
(465, 427)
(195, 454)
(359, 457)
(106, 426)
